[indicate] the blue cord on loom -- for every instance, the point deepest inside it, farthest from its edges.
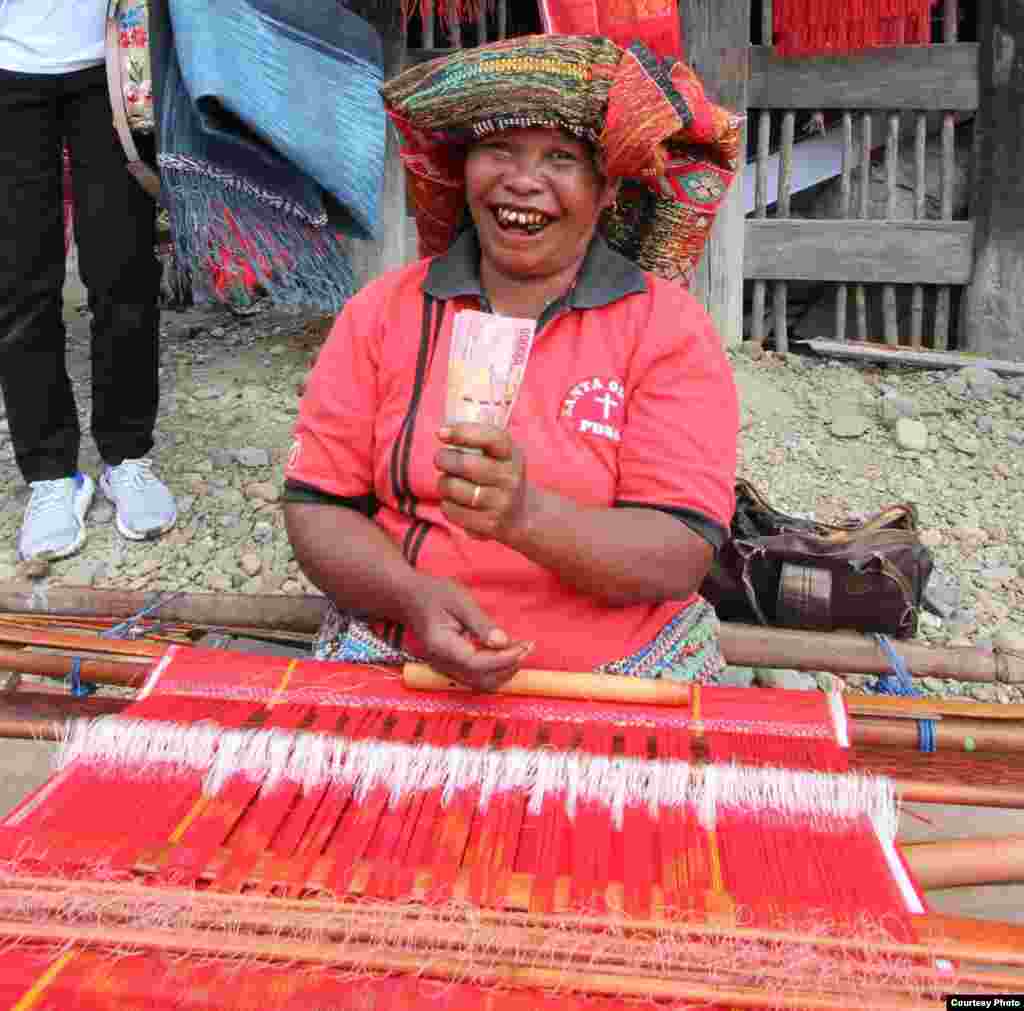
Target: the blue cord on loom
(79, 688)
(897, 682)
(123, 630)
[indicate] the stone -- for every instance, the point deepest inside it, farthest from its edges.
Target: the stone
(737, 677)
(1002, 469)
(220, 458)
(850, 426)
(911, 434)
(982, 384)
(218, 331)
(985, 424)
(264, 491)
(1015, 436)
(999, 574)
(250, 563)
(794, 680)
(930, 538)
(220, 581)
(893, 406)
(292, 586)
(942, 593)
(983, 692)
(251, 456)
(33, 569)
(262, 532)
(1015, 388)
(208, 393)
(753, 350)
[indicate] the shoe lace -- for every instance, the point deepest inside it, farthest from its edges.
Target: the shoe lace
(47, 497)
(134, 473)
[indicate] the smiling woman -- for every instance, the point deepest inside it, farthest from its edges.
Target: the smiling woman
(578, 532)
(535, 196)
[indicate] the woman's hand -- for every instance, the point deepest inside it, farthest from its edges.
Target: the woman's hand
(486, 492)
(458, 638)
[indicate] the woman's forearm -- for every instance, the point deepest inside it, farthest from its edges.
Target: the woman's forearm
(622, 556)
(351, 560)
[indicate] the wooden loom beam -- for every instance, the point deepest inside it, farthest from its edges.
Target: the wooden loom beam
(744, 645)
(342, 933)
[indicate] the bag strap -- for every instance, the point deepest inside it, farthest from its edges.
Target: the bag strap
(143, 173)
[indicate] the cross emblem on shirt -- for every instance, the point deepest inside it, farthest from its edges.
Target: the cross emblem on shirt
(608, 403)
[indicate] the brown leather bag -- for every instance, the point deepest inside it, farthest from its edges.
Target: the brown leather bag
(783, 570)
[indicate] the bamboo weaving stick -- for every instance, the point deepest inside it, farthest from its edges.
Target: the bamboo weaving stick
(559, 684)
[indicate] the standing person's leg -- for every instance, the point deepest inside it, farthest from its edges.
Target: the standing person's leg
(37, 391)
(115, 222)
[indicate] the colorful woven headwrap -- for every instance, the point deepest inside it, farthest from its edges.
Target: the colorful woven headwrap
(650, 123)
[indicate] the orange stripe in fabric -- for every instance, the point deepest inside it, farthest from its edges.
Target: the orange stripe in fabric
(33, 994)
(182, 826)
(279, 691)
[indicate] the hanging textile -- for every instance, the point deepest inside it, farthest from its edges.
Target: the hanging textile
(655, 23)
(817, 27)
(258, 177)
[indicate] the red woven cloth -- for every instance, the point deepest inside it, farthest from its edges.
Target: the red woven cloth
(816, 27)
(655, 23)
(112, 819)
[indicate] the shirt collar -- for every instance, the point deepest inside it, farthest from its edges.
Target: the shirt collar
(605, 277)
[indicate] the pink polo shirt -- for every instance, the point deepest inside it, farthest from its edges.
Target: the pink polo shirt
(628, 400)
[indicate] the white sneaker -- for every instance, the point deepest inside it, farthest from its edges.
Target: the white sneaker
(143, 504)
(54, 524)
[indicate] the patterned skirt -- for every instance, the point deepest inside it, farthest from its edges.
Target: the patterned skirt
(685, 649)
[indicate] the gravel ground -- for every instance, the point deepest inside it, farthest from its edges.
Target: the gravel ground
(819, 437)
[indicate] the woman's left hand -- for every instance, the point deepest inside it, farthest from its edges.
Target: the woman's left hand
(485, 493)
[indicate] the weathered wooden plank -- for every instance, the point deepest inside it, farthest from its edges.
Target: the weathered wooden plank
(860, 297)
(892, 158)
(874, 352)
(859, 252)
(780, 291)
(942, 296)
(932, 78)
(845, 194)
(995, 303)
(920, 189)
(717, 46)
(370, 259)
(764, 134)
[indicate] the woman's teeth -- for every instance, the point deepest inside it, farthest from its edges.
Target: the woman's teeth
(530, 221)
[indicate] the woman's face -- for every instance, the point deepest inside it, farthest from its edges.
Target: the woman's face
(535, 196)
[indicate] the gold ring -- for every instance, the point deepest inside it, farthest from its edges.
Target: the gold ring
(476, 496)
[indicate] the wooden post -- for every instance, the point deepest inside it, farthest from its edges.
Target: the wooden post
(717, 41)
(994, 318)
(370, 259)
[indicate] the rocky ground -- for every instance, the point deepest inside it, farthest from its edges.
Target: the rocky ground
(819, 437)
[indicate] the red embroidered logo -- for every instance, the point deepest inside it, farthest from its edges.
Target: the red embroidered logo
(595, 407)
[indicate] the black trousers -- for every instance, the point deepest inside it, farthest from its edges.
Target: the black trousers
(115, 232)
